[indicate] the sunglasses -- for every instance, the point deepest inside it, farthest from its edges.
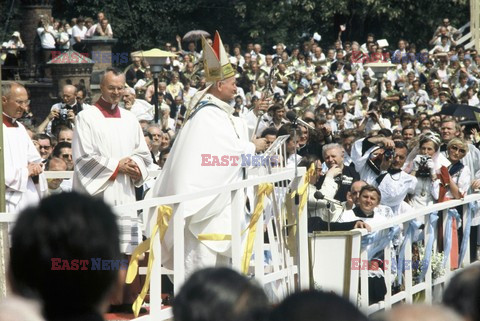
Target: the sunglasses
(457, 149)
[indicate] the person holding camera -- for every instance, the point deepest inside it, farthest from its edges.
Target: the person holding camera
(379, 160)
(62, 114)
(424, 167)
(366, 153)
(373, 120)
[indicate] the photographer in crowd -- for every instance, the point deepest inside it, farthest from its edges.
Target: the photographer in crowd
(63, 113)
(379, 160)
(425, 166)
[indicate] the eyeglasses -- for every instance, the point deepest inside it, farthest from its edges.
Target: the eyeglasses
(457, 149)
(23, 102)
(44, 147)
(66, 156)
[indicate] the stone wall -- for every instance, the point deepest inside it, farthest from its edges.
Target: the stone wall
(31, 12)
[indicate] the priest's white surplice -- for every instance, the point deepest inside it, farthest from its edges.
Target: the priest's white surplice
(99, 143)
(19, 150)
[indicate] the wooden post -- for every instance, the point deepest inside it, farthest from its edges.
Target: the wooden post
(4, 246)
(475, 22)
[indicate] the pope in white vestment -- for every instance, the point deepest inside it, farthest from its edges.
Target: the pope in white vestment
(209, 130)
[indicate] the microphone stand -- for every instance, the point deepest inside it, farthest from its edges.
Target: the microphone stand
(319, 196)
(295, 141)
(329, 216)
(260, 115)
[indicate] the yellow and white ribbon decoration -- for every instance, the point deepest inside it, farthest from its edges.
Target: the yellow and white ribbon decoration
(164, 213)
(163, 217)
(263, 191)
(302, 190)
(292, 220)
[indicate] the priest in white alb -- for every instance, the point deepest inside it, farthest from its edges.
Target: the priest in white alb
(111, 159)
(111, 156)
(25, 183)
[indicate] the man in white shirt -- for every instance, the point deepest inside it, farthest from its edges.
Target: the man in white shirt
(339, 122)
(417, 96)
(55, 185)
(47, 36)
(78, 34)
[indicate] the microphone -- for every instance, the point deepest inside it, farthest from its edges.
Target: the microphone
(319, 196)
(291, 116)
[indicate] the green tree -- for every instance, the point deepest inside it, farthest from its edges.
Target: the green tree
(144, 24)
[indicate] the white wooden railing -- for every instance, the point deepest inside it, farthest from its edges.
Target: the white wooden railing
(283, 273)
(291, 273)
(282, 270)
(69, 174)
(354, 284)
(428, 283)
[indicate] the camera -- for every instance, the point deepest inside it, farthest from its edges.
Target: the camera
(63, 114)
(343, 179)
(389, 153)
(423, 170)
(62, 119)
(424, 160)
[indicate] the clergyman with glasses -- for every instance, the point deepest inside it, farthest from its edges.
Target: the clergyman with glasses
(24, 180)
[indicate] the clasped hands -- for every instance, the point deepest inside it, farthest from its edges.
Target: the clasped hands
(128, 167)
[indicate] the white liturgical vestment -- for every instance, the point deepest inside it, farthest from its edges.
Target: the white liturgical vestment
(21, 191)
(210, 131)
(102, 137)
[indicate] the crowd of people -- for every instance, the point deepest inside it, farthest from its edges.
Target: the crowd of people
(61, 35)
(381, 146)
(53, 35)
(74, 227)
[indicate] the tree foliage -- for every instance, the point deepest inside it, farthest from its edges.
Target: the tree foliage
(143, 24)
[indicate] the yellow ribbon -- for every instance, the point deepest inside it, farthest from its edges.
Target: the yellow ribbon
(214, 237)
(163, 217)
(263, 191)
(291, 219)
(302, 190)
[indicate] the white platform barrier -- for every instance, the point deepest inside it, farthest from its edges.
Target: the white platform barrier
(279, 274)
(283, 275)
(69, 174)
(339, 263)
(328, 265)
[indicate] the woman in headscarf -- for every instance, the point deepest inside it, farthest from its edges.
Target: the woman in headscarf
(425, 162)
